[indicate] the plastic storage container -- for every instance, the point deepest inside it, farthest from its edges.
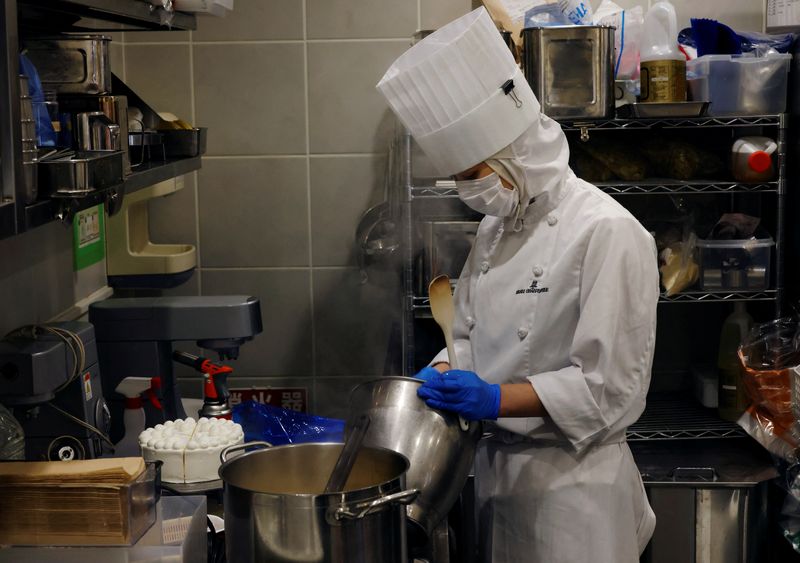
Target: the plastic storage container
(733, 265)
(740, 85)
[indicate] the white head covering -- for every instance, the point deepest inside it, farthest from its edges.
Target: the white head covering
(460, 93)
(537, 164)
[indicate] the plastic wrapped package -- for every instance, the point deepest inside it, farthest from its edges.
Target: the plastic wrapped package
(628, 26)
(769, 355)
(282, 426)
(678, 267)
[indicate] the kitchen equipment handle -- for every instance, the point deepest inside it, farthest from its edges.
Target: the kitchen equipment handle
(223, 455)
(694, 474)
(363, 509)
(113, 135)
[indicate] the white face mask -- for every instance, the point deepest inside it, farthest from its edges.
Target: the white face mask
(488, 196)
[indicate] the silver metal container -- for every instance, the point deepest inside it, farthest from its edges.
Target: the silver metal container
(72, 64)
(710, 500)
(571, 70)
(440, 452)
(275, 508)
(96, 132)
(80, 173)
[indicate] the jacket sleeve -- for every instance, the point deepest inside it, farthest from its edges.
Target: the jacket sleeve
(612, 349)
(461, 327)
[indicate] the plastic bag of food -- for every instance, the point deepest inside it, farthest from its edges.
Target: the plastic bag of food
(283, 426)
(770, 355)
(510, 14)
(679, 268)
(627, 36)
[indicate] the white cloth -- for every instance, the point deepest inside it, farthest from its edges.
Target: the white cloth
(563, 296)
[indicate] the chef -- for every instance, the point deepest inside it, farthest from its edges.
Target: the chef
(555, 309)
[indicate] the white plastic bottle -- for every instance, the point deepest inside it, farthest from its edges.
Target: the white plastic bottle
(133, 418)
(752, 159)
(663, 66)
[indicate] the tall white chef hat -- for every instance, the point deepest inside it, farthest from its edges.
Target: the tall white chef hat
(460, 93)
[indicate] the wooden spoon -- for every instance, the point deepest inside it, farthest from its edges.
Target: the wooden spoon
(443, 313)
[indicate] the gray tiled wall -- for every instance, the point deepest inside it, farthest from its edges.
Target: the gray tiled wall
(296, 152)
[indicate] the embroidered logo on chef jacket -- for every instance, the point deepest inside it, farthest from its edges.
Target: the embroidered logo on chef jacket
(534, 288)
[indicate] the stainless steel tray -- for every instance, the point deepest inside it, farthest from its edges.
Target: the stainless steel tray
(80, 173)
(185, 142)
(669, 109)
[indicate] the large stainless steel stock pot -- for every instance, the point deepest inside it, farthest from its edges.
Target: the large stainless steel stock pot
(276, 511)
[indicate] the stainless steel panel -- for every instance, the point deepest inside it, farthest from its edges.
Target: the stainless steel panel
(447, 245)
(712, 523)
(77, 64)
(571, 70)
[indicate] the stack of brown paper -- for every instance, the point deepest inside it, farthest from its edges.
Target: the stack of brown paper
(88, 502)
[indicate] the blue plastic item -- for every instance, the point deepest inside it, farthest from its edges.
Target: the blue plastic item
(714, 38)
(282, 426)
(44, 127)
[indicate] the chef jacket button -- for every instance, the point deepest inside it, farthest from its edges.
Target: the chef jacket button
(470, 322)
(522, 332)
(552, 220)
(484, 267)
(538, 271)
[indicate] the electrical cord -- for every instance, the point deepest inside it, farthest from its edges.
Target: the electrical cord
(85, 424)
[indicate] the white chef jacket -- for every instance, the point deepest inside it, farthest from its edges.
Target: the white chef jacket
(563, 297)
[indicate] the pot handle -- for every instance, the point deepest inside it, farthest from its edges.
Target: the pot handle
(223, 455)
(363, 509)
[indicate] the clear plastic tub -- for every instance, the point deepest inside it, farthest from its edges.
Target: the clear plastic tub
(740, 85)
(734, 265)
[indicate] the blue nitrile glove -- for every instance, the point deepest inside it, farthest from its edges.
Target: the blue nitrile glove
(426, 373)
(462, 392)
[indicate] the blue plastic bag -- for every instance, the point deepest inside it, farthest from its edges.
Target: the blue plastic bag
(282, 426)
(44, 127)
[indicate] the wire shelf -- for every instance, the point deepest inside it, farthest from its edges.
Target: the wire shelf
(427, 192)
(671, 187)
(674, 123)
(647, 187)
(678, 417)
(719, 297)
(423, 303)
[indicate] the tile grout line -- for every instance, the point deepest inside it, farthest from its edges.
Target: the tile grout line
(195, 174)
(308, 203)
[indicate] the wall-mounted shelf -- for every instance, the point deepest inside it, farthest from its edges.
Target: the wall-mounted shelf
(670, 416)
(100, 15)
(147, 174)
(151, 173)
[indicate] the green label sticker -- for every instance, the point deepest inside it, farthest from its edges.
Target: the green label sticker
(88, 237)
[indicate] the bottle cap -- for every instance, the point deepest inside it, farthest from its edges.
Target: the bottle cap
(759, 161)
